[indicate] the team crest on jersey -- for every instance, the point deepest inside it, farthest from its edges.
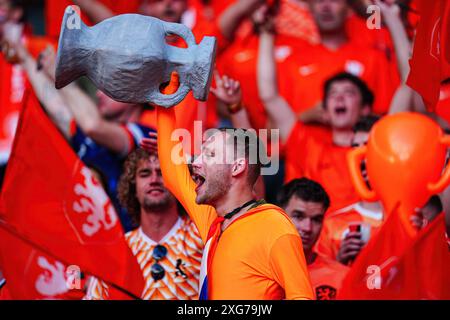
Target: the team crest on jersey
(325, 293)
(89, 209)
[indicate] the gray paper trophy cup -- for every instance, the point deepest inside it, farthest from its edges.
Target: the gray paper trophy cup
(127, 58)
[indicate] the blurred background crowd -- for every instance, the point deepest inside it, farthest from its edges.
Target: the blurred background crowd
(323, 72)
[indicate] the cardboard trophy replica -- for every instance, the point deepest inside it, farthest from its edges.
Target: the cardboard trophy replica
(405, 158)
(127, 58)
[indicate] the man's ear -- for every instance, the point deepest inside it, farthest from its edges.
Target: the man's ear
(365, 110)
(239, 167)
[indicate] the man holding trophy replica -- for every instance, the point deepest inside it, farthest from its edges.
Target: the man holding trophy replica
(252, 249)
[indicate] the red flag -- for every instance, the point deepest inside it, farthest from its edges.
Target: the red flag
(50, 198)
(431, 54)
(389, 268)
(31, 274)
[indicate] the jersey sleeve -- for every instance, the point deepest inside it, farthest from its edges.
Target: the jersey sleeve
(97, 290)
(288, 265)
(176, 173)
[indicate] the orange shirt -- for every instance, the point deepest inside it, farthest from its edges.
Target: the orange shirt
(379, 39)
(310, 152)
(239, 62)
(327, 276)
(182, 242)
(312, 65)
(336, 226)
(258, 257)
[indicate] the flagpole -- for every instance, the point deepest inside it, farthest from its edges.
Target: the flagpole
(10, 229)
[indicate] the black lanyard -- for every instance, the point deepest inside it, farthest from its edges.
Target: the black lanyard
(229, 215)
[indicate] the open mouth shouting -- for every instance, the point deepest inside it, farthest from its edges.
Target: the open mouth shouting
(340, 110)
(199, 180)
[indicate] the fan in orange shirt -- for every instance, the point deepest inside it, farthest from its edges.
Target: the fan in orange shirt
(254, 250)
(346, 231)
(338, 52)
(306, 202)
(239, 61)
(321, 157)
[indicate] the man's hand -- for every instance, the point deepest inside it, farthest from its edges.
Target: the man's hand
(227, 90)
(11, 45)
(389, 8)
(264, 19)
(150, 144)
(316, 114)
(47, 62)
(350, 247)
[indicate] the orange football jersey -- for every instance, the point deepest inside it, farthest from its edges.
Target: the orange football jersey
(310, 152)
(257, 257)
(337, 224)
(181, 264)
(326, 277)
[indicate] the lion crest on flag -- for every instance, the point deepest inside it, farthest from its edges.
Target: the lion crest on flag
(89, 208)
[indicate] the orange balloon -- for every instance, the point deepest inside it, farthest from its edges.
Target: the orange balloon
(405, 156)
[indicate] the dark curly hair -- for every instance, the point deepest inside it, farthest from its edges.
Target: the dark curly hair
(127, 184)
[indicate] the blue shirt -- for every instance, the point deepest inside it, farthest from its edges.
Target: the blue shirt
(108, 163)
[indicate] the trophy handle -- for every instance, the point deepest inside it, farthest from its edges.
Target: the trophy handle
(180, 30)
(443, 182)
(354, 158)
(170, 100)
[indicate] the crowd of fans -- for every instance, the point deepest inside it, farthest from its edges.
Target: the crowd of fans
(316, 70)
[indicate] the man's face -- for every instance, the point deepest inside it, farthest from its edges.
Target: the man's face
(109, 108)
(166, 10)
(307, 217)
(210, 170)
(329, 15)
(150, 190)
(344, 104)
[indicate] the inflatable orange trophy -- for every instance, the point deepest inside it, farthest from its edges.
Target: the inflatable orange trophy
(405, 158)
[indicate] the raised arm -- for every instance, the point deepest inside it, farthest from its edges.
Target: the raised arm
(177, 177)
(85, 113)
(45, 91)
(391, 14)
(106, 133)
(276, 106)
(232, 17)
(403, 97)
(95, 10)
